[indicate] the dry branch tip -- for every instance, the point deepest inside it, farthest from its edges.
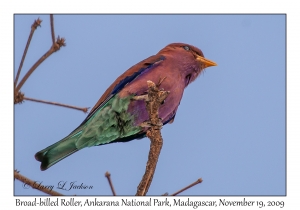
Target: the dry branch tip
(36, 23)
(189, 186)
(60, 42)
(107, 175)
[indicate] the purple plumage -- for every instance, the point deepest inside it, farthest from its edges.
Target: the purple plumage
(117, 118)
(179, 65)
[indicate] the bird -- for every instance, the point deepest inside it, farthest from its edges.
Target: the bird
(116, 117)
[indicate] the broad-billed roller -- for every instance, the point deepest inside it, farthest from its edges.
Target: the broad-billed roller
(116, 117)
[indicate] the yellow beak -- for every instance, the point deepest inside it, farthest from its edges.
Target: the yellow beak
(206, 62)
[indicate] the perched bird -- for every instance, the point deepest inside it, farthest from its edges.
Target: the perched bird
(116, 117)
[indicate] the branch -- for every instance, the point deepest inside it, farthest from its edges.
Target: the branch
(59, 43)
(18, 95)
(107, 175)
(85, 109)
(33, 184)
(153, 102)
(34, 26)
(187, 187)
(52, 29)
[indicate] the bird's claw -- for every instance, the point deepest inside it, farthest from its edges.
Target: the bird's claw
(141, 97)
(148, 124)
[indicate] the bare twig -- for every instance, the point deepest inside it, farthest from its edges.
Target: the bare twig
(52, 29)
(153, 102)
(85, 109)
(187, 187)
(18, 95)
(59, 43)
(107, 175)
(34, 185)
(34, 26)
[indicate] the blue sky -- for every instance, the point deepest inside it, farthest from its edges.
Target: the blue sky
(230, 126)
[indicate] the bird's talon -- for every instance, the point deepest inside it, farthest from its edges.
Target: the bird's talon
(141, 97)
(148, 124)
(145, 124)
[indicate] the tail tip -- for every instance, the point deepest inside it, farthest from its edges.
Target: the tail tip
(43, 167)
(39, 156)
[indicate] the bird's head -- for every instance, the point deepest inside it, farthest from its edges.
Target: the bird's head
(190, 59)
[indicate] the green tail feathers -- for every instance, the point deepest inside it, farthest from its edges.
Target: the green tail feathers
(56, 152)
(110, 123)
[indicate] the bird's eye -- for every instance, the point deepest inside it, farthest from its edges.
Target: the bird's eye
(186, 48)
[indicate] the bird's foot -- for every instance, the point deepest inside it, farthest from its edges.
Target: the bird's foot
(141, 97)
(148, 124)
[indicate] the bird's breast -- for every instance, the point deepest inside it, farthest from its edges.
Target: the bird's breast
(172, 81)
